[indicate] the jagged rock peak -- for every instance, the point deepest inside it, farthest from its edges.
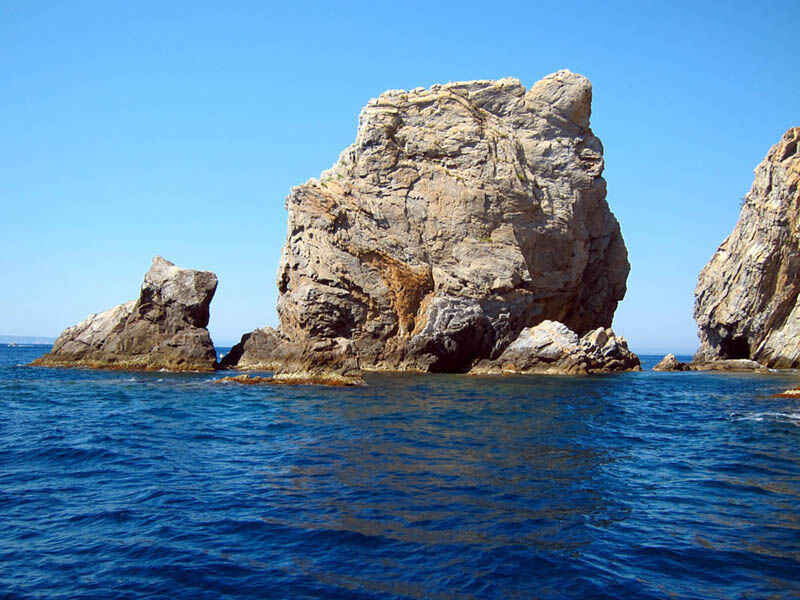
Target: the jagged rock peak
(164, 329)
(462, 214)
(746, 300)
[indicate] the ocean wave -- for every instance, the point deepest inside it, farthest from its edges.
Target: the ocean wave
(791, 417)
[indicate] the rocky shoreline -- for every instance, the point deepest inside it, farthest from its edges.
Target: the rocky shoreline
(466, 231)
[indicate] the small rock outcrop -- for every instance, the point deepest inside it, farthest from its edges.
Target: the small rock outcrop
(551, 348)
(461, 215)
(260, 350)
(305, 379)
(747, 301)
(331, 361)
(164, 329)
(671, 363)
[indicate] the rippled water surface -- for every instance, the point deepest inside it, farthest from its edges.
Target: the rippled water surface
(642, 485)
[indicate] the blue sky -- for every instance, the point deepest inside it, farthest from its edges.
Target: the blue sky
(178, 128)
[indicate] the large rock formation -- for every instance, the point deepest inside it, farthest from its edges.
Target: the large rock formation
(551, 348)
(461, 215)
(746, 301)
(164, 329)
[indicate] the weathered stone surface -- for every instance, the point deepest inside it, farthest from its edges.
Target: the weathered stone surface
(259, 350)
(164, 329)
(462, 214)
(671, 363)
(327, 361)
(746, 301)
(551, 348)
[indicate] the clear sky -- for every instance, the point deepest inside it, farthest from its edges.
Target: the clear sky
(132, 129)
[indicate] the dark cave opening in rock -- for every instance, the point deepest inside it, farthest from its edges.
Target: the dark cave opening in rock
(736, 347)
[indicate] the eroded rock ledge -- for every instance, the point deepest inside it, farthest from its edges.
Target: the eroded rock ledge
(462, 215)
(164, 329)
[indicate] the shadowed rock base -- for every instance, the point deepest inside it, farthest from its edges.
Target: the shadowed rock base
(331, 361)
(550, 348)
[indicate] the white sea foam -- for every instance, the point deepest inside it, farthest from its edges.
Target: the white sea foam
(771, 415)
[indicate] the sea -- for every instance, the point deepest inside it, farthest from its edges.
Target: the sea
(162, 485)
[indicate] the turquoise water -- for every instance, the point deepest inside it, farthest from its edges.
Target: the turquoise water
(157, 485)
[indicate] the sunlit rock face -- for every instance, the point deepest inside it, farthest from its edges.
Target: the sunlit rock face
(164, 329)
(551, 348)
(462, 214)
(746, 301)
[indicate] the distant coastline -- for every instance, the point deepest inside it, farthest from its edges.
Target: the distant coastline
(26, 339)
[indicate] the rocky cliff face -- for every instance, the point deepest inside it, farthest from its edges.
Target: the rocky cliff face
(746, 301)
(164, 329)
(462, 214)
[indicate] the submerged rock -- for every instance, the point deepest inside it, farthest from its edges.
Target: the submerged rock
(164, 329)
(461, 215)
(552, 348)
(746, 301)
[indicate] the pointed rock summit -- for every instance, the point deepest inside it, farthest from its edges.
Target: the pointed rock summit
(164, 329)
(461, 215)
(747, 301)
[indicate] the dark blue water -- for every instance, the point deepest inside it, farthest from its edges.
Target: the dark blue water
(642, 485)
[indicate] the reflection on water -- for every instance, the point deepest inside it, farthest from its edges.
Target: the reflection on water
(440, 463)
(644, 485)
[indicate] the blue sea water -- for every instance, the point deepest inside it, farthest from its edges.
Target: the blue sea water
(157, 485)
